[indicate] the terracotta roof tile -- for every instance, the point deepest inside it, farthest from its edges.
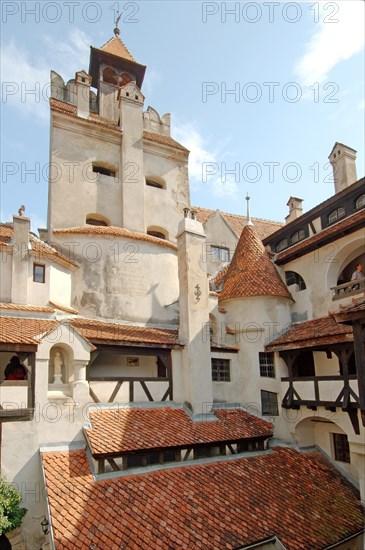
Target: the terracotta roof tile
(264, 228)
(313, 333)
(115, 431)
(114, 232)
(23, 330)
(94, 330)
(298, 497)
(116, 46)
(251, 272)
(164, 140)
(64, 308)
(327, 235)
(40, 249)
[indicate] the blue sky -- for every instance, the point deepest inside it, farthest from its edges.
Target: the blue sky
(258, 91)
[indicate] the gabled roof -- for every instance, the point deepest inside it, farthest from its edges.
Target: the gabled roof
(251, 272)
(264, 228)
(299, 497)
(315, 333)
(24, 330)
(117, 431)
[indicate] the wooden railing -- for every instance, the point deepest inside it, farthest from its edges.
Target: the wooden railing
(306, 391)
(132, 383)
(348, 289)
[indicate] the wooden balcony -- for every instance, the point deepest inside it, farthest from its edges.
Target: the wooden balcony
(348, 289)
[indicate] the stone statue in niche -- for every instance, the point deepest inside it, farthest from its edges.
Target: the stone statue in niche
(58, 364)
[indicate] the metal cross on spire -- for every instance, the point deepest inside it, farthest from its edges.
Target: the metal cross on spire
(117, 30)
(248, 221)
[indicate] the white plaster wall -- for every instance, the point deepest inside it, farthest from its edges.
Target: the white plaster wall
(164, 207)
(320, 270)
(110, 364)
(124, 279)
(38, 293)
(257, 320)
(5, 279)
(325, 366)
(220, 234)
(75, 190)
(224, 391)
(60, 285)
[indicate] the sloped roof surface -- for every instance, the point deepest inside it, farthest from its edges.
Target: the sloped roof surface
(298, 497)
(116, 46)
(316, 332)
(264, 228)
(23, 330)
(121, 430)
(251, 272)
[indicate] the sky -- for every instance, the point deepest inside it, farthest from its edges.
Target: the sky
(259, 92)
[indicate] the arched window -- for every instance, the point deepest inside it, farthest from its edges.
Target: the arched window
(110, 76)
(96, 219)
(125, 78)
(155, 181)
(360, 201)
(157, 234)
(282, 245)
(104, 169)
(293, 278)
(297, 236)
(336, 215)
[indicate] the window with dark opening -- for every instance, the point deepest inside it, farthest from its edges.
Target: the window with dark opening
(267, 367)
(341, 447)
(98, 169)
(293, 278)
(221, 370)
(152, 183)
(39, 273)
(360, 202)
(157, 234)
(269, 403)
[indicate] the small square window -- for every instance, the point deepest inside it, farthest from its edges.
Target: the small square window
(341, 447)
(269, 403)
(220, 253)
(221, 370)
(39, 273)
(267, 367)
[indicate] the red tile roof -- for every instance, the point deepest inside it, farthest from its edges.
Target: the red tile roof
(64, 308)
(100, 331)
(329, 234)
(114, 232)
(264, 228)
(298, 497)
(164, 140)
(317, 332)
(23, 330)
(115, 46)
(40, 249)
(251, 272)
(117, 431)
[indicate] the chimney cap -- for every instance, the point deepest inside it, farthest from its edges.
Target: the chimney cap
(294, 199)
(339, 144)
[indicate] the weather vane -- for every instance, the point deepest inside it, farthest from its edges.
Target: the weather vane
(117, 30)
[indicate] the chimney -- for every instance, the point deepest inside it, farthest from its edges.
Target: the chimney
(19, 281)
(343, 160)
(82, 90)
(295, 209)
(194, 314)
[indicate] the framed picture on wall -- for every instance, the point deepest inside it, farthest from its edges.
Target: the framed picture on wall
(132, 361)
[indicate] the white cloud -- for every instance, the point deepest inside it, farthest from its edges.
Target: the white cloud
(25, 84)
(205, 166)
(332, 42)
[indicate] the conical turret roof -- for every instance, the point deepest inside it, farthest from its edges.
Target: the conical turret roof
(116, 46)
(251, 272)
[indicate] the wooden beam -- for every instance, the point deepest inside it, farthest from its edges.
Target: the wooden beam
(93, 395)
(115, 391)
(146, 391)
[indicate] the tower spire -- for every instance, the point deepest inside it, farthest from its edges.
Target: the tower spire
(117, 30)
(248, 221)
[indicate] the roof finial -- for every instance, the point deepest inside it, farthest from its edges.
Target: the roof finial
(248, 221)
(117, 30)
(21, 210)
